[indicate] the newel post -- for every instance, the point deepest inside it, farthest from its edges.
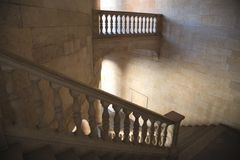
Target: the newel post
(159, 24)
(177, 118)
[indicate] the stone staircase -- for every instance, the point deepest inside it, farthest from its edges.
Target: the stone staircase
(194, 143)
(198, 143)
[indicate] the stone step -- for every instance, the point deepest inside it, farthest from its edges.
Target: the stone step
(44, 153)
(14, 152)
(67, 155)
(198, 145)
(188, 133)
(194, 136)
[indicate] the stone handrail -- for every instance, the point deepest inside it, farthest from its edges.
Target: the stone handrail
(153, 131)
(116, 23)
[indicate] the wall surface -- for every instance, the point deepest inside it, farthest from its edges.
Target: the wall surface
(53, 33)
(198, 73)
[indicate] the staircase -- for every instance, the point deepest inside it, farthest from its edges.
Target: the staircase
(195, 143)
(208, 143)
(40, 125)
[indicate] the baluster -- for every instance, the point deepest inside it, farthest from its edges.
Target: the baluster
(38, 101)
(123, 24)
(155, 134)
(159, 134)
(101, 24)
(142, 27)
(134, 24)
(152, 129)
(146, 25)
(165, 135)
(126, 24)
(130, 24)
(120, 24)
(126, 125)
(12, 97)
(148, 136)
(144, 129)
(153, 25)
(139, 23)
(111, 24)
(76, 108)
(116, 24)
(136, 128)
(58, 108)
(92, 117)
(117, 122)
(105, 121)
(150, 30)
(106, 24)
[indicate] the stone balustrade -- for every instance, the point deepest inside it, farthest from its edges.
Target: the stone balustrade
(131, 124)
(115, 23)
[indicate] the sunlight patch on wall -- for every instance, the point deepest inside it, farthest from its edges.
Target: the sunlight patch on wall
(109, 4)
(109, 83)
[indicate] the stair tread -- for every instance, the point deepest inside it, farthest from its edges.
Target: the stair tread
(44, 153)
(189, 132)
(67, 155)
(194, 136)
(14, 152)
(193, 149)
(90, 156)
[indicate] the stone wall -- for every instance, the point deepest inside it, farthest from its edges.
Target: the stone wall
(198, 73)
(53, 33)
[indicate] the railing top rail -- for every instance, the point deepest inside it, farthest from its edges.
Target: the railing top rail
(126, 12)
(46, 73)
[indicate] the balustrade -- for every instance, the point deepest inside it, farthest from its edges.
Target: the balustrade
(152, 131)
(114, 23)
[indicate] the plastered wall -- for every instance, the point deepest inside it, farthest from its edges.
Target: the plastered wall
(198, 72)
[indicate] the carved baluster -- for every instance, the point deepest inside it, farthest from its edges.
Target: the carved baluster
(101, 24)
(152, 131)
(159, 134)
(92, 117)
(111, 24)
(150, 22)
(148, 136)
(155, 134)
(8, 75)
(123, 24)
(105, 121)
(142, 27)
(106, 24)
(139, 24)
(116, 24)
(146, 25)
(126, 24)
(144, 129)
(134, 25)
(120, 24)
(58, 107)
(38, 101)
(165, 135)
(126, 125)
(76, 108)
(130, 25)
(153, 24)
(117, 122)
(136, 128)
